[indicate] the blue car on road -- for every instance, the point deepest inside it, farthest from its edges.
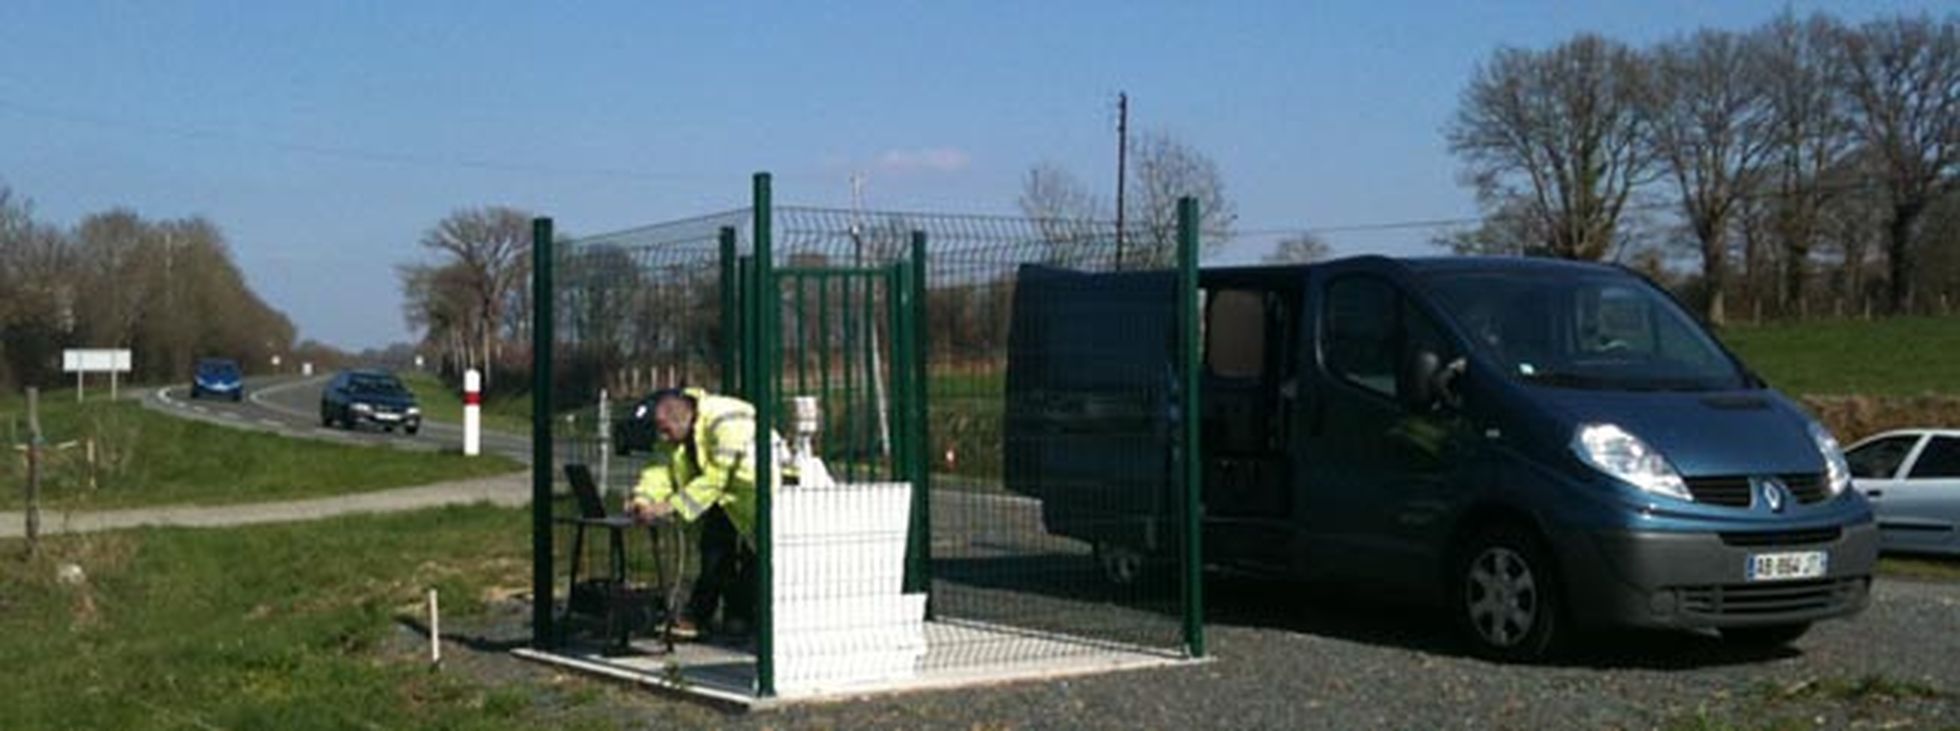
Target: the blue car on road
(218, 378)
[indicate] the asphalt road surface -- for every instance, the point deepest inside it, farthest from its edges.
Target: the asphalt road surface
(291, 406)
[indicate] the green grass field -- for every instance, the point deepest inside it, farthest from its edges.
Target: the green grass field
(511, 415)
(1896, 357)
(147, 458)
(284, 626)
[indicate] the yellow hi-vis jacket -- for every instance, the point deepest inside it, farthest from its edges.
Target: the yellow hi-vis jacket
(716, 466)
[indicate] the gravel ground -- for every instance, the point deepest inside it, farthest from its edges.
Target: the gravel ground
(1290, 658)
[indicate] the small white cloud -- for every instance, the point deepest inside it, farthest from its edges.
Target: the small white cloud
(928, 159)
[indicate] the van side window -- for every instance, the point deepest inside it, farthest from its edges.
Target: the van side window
(1235, 336)
(1939, 459)
(1359, 339)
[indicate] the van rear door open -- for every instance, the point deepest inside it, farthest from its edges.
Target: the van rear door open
(1090, 404)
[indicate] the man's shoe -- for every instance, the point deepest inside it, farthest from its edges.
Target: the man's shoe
(684, 629)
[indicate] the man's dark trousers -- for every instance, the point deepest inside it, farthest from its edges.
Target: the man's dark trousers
(727, 570)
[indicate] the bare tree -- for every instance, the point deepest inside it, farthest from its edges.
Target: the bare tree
(490, 249)
(1901, 77)
(1557, 134)
(1708, 117)
(1810, 136)
(1064, 212)
(1163, 169)
(1167, 169)
(1304, 248)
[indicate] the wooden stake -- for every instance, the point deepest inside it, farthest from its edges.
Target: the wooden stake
(33, 470)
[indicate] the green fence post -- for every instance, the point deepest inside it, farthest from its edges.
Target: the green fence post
(1187, 310)
(918, 564)
(731, 313)
(542, 562)
(763, 388)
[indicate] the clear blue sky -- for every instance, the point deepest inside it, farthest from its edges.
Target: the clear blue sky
(325, 137)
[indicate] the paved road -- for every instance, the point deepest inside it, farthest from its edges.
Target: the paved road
(291, 406)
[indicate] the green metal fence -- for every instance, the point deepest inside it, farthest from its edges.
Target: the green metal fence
(1028, 442)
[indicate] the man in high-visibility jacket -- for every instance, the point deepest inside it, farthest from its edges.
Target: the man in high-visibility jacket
(704, 471)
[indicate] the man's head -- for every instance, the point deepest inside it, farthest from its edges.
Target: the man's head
(673, 415)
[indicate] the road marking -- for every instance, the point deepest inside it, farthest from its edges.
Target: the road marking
(200, 409)
(230, 415)
(271, 423)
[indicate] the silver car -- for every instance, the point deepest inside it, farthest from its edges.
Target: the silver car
(1912, 478)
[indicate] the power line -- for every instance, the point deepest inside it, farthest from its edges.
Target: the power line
(1851, 186)
(369, 155)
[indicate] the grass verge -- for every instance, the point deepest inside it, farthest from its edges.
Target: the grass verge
(280, 626)
(1893, 357)
(440, 402)
(1919, 567)
(145, 458)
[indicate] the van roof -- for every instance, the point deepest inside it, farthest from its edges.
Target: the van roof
(1447, 264)
(1454, 264)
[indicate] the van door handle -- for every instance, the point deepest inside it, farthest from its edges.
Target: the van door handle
(1874, 493)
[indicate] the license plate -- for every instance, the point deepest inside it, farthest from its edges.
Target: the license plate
(385, 416)
(1790, 565)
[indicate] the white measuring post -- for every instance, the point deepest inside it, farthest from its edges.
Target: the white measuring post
(472, 412)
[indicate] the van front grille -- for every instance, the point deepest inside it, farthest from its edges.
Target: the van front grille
(1736, 490)
(1748, 600)
(1731, 491)
(1807, 536)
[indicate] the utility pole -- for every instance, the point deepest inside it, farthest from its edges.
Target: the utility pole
(1122, 160)
(881, 403)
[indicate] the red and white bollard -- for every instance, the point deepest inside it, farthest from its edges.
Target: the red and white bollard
(472, 412)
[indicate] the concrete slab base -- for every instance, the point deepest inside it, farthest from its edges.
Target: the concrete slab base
(959, 654)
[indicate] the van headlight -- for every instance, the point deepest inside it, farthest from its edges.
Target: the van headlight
(1623, 456)
(1837, 472)
(360, 408)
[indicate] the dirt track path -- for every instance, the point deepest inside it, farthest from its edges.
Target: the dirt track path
(510, 489)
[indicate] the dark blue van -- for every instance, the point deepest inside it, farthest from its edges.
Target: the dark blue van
(218, 378)
(1536, 445)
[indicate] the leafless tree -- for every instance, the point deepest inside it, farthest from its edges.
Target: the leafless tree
(490, 250)
(1162, 170)
(1709, 117)
(1166, 170)
(1810, 136)
(1901, 78)
(1557, 134)
(1304, 248)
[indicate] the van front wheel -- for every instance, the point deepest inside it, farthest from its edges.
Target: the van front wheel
(1507, 595)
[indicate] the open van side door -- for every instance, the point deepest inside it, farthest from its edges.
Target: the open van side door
(1090, 403)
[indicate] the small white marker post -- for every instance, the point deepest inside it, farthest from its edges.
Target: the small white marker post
(435, 630)
(472, 412)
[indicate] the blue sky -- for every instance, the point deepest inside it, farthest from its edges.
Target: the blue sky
(325, 137)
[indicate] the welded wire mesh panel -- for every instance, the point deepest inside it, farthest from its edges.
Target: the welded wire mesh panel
(635, 311)
(1048, 419)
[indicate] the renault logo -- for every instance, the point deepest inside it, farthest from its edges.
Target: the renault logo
(1773, 493)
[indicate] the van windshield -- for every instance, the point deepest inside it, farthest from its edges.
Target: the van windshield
(1595, 331)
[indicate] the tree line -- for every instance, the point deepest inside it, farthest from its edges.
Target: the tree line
(1801, 162)
(167, 290)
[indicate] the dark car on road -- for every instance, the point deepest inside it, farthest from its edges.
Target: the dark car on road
(369, 397)
(218, 378)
